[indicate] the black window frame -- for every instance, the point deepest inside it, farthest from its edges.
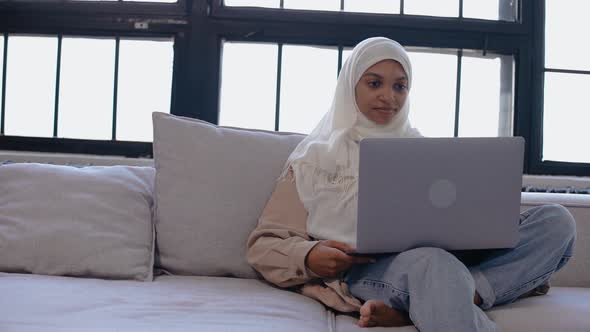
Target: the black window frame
(200, 27)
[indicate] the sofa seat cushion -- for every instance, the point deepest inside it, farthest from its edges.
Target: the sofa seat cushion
(176, 303)
(564, 309)
(170, 303)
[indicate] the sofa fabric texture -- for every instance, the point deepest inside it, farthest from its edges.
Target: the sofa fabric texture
(69, 221)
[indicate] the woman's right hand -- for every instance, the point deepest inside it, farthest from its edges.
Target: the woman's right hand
(328, 259)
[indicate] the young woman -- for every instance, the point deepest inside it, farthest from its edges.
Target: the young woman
(309, 221)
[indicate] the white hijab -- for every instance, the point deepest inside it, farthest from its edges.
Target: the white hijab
(325, 163)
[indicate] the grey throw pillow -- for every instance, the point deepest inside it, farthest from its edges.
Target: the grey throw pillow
(212, 184)
(85, 222)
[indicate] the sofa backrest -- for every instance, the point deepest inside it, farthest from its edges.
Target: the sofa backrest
(576, 273)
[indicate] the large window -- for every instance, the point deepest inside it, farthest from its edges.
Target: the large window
(84, 76)
(454, 93)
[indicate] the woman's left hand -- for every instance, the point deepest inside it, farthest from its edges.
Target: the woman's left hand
(328, 259)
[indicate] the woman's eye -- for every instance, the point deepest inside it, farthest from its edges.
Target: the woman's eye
(374, 84)
(399, 87)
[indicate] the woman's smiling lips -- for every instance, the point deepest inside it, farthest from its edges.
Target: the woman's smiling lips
(384, 110)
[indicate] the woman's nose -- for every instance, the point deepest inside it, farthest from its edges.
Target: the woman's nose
(388, 96)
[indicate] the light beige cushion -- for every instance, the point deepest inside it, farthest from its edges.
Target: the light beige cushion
(211, 186)
(86, 222)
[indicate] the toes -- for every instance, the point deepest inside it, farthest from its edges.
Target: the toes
(374, 313)
(366, 309)
(366, 322)
(369, 308)
(367, 312)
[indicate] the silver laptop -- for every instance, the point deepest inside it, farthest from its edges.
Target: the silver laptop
(450, 193)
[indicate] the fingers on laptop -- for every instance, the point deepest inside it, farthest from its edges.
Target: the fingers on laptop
(338, 245)
(346, 249)
(362, 260)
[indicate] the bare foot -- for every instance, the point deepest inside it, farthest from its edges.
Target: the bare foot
(477, 299)
(377, 313)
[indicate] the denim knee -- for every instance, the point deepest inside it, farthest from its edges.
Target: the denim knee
(431, 260)
(425, 254)
(562, 227)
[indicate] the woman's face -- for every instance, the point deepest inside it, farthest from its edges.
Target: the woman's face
(382, 91)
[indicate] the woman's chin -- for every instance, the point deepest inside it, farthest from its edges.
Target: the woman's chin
(382, 120)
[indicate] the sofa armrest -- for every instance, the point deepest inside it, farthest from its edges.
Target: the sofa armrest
(577, 272)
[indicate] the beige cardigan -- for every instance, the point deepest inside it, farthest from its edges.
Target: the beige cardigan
(277, 249)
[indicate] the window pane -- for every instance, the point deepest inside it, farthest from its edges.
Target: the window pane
(86, 88)
(372, 6)
(145, 86)
(345, 54)
(30, 85)
(566, 117)
(253, 3)
(479, 110)
(333, 5)
(449, 8)
(307, 86)
(563, 22)
(505, 10)
(248, 90)
(481, 9)
(433, 93)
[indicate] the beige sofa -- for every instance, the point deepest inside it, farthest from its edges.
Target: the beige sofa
(220, 301)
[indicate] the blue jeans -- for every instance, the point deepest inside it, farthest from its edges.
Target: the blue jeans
(436, 287)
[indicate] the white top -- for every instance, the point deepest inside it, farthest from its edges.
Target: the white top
(326, 162)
